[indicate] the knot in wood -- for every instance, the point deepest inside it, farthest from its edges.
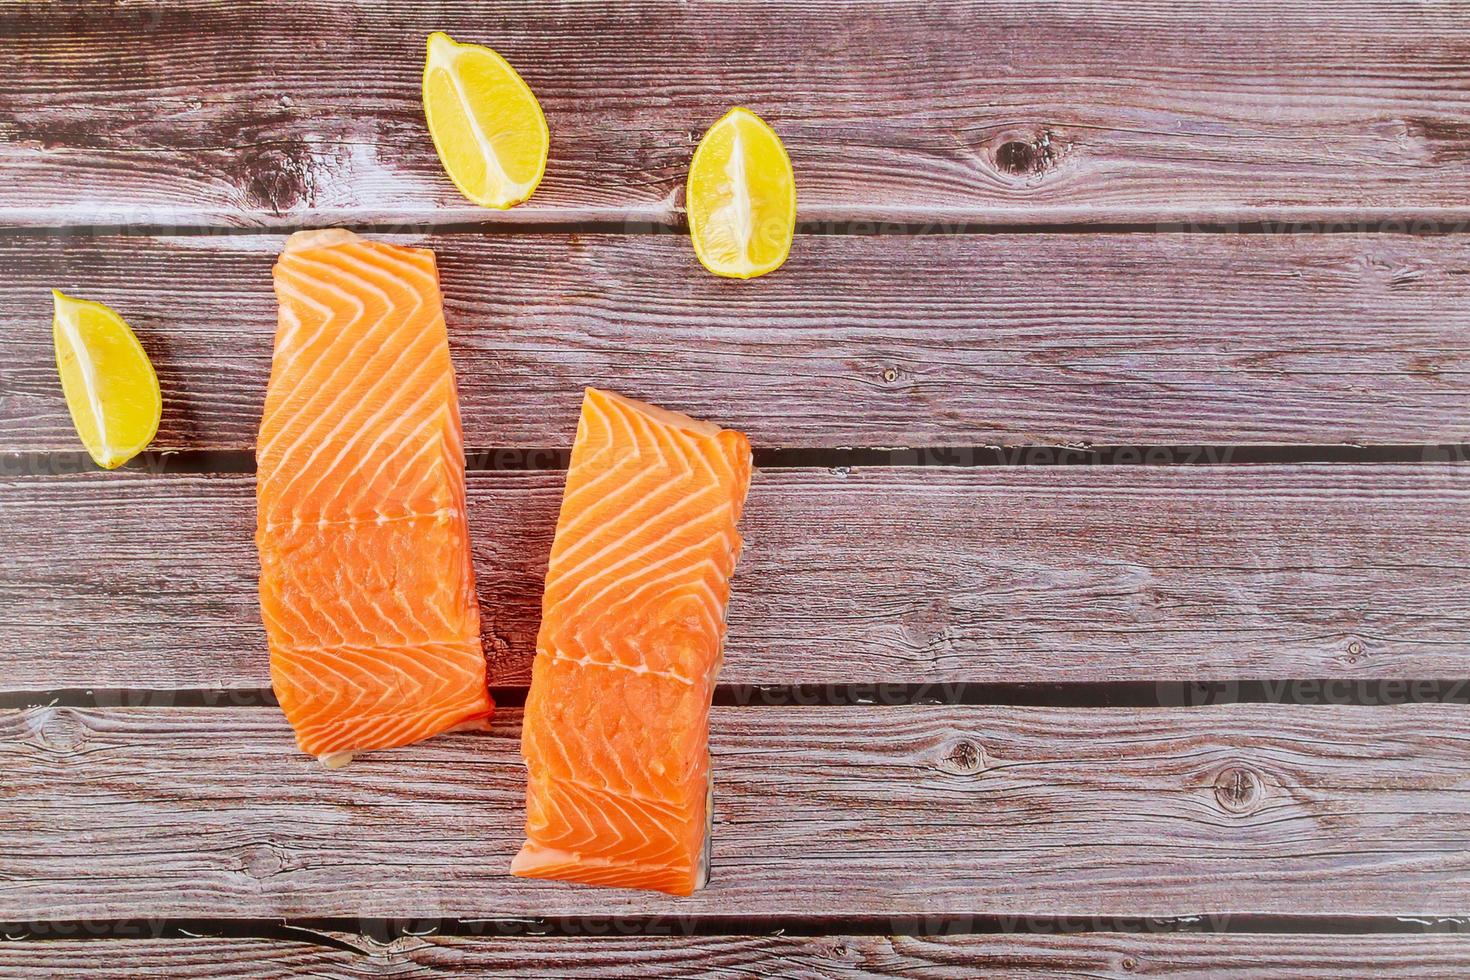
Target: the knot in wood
(1016, 157)
(837, 951)
(63, 731)
(262, 860)
(279, 176)
(963, 758)
(1026, 157)
(1238, 790)
(890, 375)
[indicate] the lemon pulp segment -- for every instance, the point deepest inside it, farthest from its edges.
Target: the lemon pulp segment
(109, 383)
(485, 122)
(741, 197)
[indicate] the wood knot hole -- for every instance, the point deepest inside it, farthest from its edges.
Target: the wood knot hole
(890, 375)
(964, 758)
(1238, 790)
(1023, 157)
(1017, 157)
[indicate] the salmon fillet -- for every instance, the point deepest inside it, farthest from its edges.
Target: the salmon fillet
(633, 622)
(366, 583)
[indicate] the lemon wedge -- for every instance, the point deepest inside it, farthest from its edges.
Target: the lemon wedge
(741, 197)
(486, 124)
(107, 378)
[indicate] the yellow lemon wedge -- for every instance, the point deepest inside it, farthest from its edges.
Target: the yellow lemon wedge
(107, 378)
(487, 125)
(741, 197)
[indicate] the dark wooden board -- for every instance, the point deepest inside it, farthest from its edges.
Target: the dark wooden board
(1035, 120)
(1138, 111)
(888, 811)
(858, 341)
(875, 575)
(1100, 955)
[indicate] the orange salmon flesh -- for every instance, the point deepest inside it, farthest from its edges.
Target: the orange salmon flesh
(633, 622)
(366, 583)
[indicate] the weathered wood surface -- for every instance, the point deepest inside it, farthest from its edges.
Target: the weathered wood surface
(201, 114)
(1099, 955)
(1138, 111)
(857, 341)
(875, 575)
(887, 811)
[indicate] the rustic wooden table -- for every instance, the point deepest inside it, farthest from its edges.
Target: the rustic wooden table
(1198, 707)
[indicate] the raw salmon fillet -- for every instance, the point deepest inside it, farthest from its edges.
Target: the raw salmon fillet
(633, 621)
(366, 585)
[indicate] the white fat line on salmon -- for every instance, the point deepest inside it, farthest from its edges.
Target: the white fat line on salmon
(378, 520)
(631, 668)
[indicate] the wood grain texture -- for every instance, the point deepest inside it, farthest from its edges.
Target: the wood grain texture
(884, 811)
(1099, 955)
(875, 575)
(878, 341)
(269, 113)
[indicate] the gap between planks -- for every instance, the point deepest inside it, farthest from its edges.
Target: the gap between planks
(333, 931)
(507, 459)
(1437, 223)
(1097, 694)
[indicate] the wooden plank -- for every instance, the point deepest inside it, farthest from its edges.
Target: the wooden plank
(877, 341)
(1173, 574)
(882, 811)
(1111, 955)
(1137, 111)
